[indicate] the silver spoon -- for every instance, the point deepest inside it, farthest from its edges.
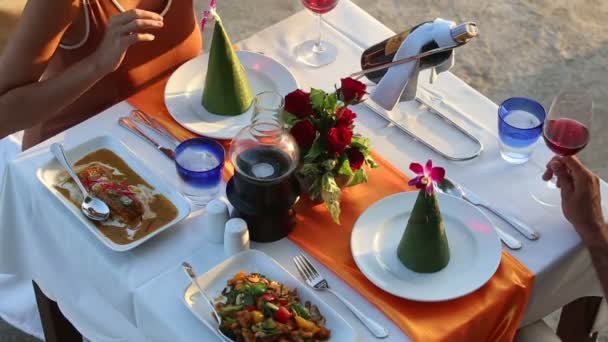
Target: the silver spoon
(519, 225)
(448, 187)
(92, 207)
(190, 273)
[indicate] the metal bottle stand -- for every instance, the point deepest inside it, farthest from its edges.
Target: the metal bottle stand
(432, 109)
(461, 34)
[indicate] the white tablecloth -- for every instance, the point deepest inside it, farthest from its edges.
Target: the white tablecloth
(17, 302)
(135, 296)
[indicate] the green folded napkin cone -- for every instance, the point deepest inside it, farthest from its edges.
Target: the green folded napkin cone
(227, 91)
(424, 245)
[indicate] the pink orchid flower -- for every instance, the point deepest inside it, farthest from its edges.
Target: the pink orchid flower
(426, 176)
(207, 13)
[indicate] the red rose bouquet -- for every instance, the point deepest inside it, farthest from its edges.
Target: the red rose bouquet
(332, 156)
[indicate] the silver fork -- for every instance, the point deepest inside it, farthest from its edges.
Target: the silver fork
(315, 280)
(153, 124)
(127, 123)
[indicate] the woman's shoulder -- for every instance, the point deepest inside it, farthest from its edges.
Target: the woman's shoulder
(51, 14)
(55, 6)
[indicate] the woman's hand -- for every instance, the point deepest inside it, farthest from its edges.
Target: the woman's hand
(124, 30)
(581, 201)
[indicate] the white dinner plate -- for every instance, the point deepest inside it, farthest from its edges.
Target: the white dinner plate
(184, 92)
(50, 174)
(214, 281)
(475, 249)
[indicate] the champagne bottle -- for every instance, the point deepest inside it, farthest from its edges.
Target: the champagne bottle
(385, 51)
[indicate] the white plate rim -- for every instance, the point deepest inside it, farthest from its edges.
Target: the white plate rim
(302, 287)
(362, 267)
(172, 87)
(129, 157)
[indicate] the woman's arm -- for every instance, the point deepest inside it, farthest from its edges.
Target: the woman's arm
(24, 99)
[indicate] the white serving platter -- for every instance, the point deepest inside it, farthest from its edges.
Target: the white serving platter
(49, 175)
(214, 281)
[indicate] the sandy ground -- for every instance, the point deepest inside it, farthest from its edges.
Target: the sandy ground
(532, 48)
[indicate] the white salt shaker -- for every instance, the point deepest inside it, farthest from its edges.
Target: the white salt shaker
(215, 220)
(236, 236)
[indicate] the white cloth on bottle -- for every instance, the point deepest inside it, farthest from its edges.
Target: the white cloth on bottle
(400, 83)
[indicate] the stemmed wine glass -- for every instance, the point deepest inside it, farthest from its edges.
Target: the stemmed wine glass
(317, 52)
(566, 132)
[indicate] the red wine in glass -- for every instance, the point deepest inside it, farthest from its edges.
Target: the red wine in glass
(566, 132)
(320, 6)
(565, 137)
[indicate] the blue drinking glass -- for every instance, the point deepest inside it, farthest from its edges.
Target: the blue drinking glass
(520, 125)
(199, 163)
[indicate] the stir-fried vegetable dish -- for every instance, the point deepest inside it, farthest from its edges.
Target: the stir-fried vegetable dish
(254, 308)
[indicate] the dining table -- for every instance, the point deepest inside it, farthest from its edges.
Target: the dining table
(137, 295)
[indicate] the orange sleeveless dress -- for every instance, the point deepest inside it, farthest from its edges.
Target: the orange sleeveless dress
(178, 41)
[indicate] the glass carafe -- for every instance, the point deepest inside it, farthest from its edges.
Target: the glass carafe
(265, 156)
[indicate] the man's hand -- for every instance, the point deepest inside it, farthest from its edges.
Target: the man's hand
(581, 202)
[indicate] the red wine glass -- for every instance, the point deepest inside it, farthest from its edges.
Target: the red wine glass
(317, 52)
(566, 132)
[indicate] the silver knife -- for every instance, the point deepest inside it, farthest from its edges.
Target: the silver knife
(508, 239)
(448, 186)
(153, 124)
(131, 126)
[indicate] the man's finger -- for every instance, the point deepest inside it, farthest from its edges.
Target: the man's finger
(564, 179)
(552, 166)
(548, 174)
(573, 163)
(580, 174)
(556, 165)
(566, 183)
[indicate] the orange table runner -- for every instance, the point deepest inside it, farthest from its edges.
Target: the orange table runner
(491, 313)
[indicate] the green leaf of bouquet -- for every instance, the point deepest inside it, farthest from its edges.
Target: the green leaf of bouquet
(315, 189)
(358, 178)
(334, 211)
(345, 168)
(371, 162)
(330, 193)
(317, 98)
(330, 164)
(289, 118)
(314, 151)
(309, 170)
(329, 188)
(360, 143)
(331, 103)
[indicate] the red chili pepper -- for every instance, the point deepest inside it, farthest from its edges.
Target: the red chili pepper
(283, 301)
(86, 183)
(282, 315)
(268, 297)
(148, 227)
(116, 187)
(251, 307)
